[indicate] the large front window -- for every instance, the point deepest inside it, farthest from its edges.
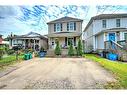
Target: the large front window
(70, 41)
(71, 26)
(58, 27)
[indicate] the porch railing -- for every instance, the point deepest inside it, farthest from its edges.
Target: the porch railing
(112, 45)
(123, 43)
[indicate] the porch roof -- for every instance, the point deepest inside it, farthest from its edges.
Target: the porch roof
(112, 30)
(115, 29)
(64, 34)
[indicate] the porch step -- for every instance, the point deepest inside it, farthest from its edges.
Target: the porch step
(50, 53)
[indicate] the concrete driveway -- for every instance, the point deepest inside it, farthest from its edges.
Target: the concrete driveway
(55, 73)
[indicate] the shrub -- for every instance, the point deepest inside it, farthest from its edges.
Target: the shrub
(10, 51)
(71, 50)
(79, 48)
(1, 52)
(42, 49)
(57, 48)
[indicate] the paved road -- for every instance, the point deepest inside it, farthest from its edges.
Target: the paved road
(56, 73)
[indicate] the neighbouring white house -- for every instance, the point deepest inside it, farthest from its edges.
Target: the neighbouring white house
(104, 28)
(31, 40)
(66, 30)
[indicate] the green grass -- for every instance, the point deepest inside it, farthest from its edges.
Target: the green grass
(119, 69)
(9, 60)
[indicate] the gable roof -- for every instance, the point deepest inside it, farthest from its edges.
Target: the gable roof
(105, 16)
(29, 35)
(65, 19)
(32, 34)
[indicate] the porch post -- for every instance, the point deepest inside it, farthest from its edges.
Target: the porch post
(24, 44)
(34, 44)
(39, 44)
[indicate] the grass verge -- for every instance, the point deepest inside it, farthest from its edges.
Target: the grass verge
(119, 69)
(9, 60)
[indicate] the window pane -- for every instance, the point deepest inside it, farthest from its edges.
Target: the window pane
(104, 23)
(117, 22)
(70, 41)
(58, 27)
(71, 26)
(125, 36)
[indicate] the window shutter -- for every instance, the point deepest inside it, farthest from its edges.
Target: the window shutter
(67, 26)
(74, 41)
(61, 27)
(54, 27)
(74, 25)
(65, 41)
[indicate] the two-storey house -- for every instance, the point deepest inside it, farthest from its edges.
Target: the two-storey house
(103, 28)
(66, 30)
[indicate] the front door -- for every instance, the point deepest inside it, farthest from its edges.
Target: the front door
(111, 36)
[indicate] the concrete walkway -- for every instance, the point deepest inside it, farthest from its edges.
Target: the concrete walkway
(56, 73)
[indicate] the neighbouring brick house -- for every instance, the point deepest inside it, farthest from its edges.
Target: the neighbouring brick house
(1, 39)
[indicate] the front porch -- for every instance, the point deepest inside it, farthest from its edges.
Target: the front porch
(27, 43)
(64, 42)
(117, 35)
(64, 38)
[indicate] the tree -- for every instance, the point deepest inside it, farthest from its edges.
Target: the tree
(57, 48)
(79, 48)
(71, 50)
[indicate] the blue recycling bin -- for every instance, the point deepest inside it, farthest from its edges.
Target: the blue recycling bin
(42, 54)
(112, 56)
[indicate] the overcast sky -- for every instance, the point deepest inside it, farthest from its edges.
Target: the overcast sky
(23, 19)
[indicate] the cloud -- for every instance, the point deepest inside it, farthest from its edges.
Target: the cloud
(6, 11)
(23, 19)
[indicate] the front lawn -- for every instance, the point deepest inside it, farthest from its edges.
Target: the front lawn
(9, 60)
(118, 68)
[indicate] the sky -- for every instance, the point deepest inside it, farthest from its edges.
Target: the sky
(22, 19)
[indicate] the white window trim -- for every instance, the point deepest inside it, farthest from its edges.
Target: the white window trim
(105, 23)
(116, 22)
(58, 25)
(70, 26)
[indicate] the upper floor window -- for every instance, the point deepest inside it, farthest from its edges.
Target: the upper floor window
(117, 22)
(71, 26)
(104, 23)
(58, 27)
(125, 36)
